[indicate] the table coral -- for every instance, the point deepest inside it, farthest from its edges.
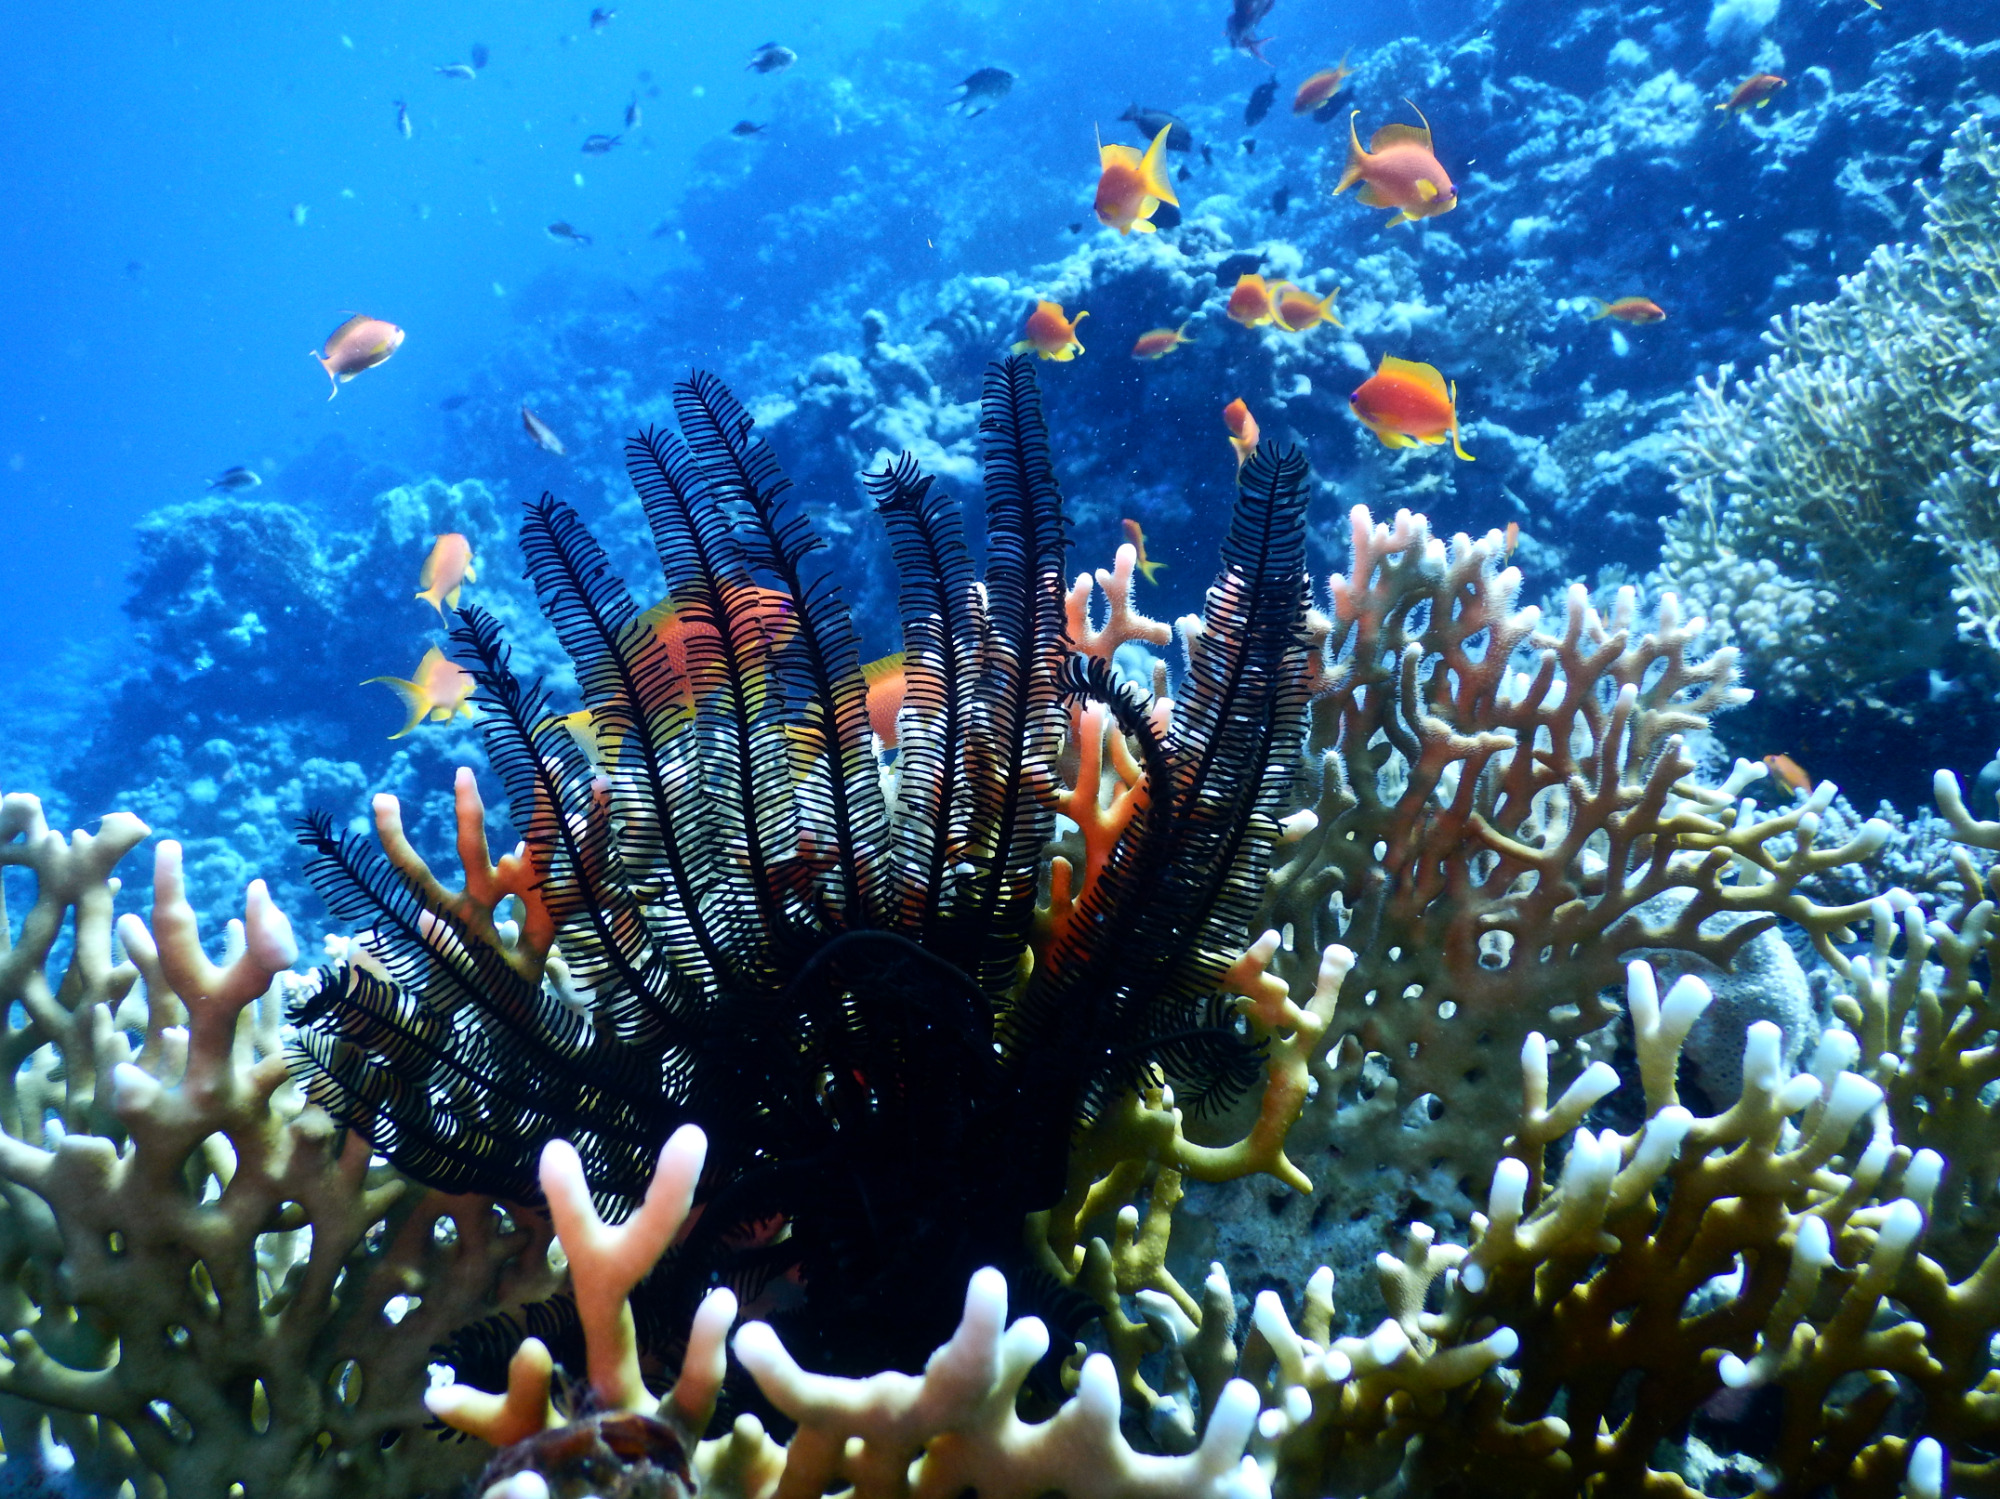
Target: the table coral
(212, 1289)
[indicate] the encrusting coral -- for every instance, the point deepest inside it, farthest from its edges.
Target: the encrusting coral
(1837, 505)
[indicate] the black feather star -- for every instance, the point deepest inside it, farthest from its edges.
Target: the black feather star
(721, 917)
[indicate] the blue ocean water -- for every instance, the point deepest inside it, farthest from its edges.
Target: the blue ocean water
(199, 195)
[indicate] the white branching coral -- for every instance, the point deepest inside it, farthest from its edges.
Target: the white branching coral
(953, 1428)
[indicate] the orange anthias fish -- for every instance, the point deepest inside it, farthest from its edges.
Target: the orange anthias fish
(1788, 772)
(1243, 433)
(1253, 302)
(360, 343)
(1298, 309)
(1050, 334)
(887, 685)
(1513, 538)
(1130, 186)
(1137, 538)
(1158, 343)
(1753, 92)
(538, 429)
(1404, 403)
(1634, 310)
(448, 567)
(1398, 170)
(1319, 88)
(440, 691)
(694, 644)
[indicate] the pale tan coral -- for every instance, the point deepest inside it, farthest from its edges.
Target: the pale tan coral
(214, 1291)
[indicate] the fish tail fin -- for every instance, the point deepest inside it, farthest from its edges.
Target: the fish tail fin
(1151, 570)
(326, 364)
(415, 703)
(1357, 159)
(1456, 446)
(1603, 309)
(1153, 168)
(436, 600)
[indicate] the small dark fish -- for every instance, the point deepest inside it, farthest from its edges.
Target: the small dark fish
(457, 70)
(235, 480)
(1152, 121)
(982, 91)
(744, 129)
(1249, 145)
(1281, 199)
(662, 229)
(597, 145)
(1182, 175)
(1207, 156)
(479, 55)
(1328, 112)
(538, 430)
(1234, 267)
(560, 230)
(1166, 216)
(771, 58)
(632, 114)
(1928, 167)
(601, 18)
(1076, 228)
(1260, 101)
(452, 402)
(403, 126)
(137, 268)
(1244, 18)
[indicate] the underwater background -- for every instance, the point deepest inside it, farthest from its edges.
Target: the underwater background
(197, 200)
(1668, 391)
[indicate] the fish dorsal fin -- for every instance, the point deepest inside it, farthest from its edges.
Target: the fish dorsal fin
(1420, 374)
(876, 671)
(1397, 135)
(1116, 155)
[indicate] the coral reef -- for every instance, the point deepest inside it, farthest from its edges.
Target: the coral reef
(717, 863)
(211, 1289)
(1837, 504)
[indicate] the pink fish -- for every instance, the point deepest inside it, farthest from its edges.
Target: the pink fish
(360, 343)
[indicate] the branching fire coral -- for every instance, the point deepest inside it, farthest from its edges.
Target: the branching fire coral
(210, 1289)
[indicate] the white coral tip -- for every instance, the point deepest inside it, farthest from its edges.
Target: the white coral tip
(1388, 1343)
(1868, 842)
(1924, 1478)
(1685, 1003)
(1097, 1392)
(527, 1484)
(1763, 1045)
(1921, 1177)
(1503, 1343)
(1851, 1097)
(1900, 1229)
(1510, 1190)
(1814, 1245)
(1735, 1373)
(1229, 1425)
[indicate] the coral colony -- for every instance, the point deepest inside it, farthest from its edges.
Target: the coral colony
(1085, 946)
(1355, 1039)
